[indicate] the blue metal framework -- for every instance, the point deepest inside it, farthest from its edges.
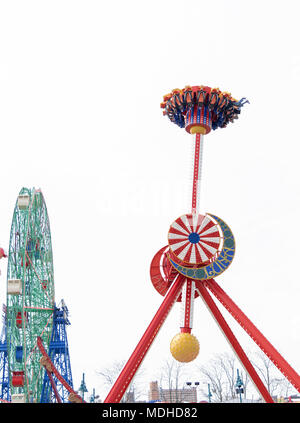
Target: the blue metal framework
(4, 373)
(60, 357)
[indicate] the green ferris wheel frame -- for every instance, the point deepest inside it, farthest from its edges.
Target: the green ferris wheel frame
(30, 293)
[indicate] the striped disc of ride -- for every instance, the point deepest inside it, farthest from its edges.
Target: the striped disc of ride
(194, 239)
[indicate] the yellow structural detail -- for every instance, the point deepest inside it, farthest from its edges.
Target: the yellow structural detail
(184, 347)
(198, 129)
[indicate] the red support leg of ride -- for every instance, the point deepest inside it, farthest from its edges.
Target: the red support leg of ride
(117, 391)
(233, 341)
(255, 334)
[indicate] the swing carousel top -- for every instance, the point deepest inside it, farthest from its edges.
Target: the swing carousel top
(199, 109)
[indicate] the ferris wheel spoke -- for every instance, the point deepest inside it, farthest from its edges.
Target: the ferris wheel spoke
(40, 334)
(33, 267)
(41, 253)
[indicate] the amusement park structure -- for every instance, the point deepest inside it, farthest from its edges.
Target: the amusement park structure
(34, 355)
(200, 248)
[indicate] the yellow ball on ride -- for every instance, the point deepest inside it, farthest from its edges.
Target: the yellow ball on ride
(184, 347)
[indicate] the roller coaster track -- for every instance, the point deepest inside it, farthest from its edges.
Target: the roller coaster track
(50, 368)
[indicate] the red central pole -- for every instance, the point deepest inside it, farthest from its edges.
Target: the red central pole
(233, 341)
(119, 388)
(197, 171)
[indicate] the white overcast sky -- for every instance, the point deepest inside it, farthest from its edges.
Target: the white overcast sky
(80, 88)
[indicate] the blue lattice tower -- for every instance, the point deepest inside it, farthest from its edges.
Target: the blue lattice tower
(4, 374)
(60, 357)
(82, 389)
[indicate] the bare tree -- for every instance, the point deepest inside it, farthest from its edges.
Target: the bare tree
(268, 373)
(110, 374)
(172, 377)
(286, 389)
(230, 364)
(214, 374)
(221, 374)
(227, 363)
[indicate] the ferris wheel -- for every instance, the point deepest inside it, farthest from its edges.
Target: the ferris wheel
(30, 294)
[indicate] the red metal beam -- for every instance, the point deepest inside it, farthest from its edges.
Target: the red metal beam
(119, 388)
(53, 386)
(55, 371)
(255, 334)
(233, 341)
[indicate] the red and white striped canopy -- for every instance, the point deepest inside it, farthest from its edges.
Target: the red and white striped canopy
(194, 238)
